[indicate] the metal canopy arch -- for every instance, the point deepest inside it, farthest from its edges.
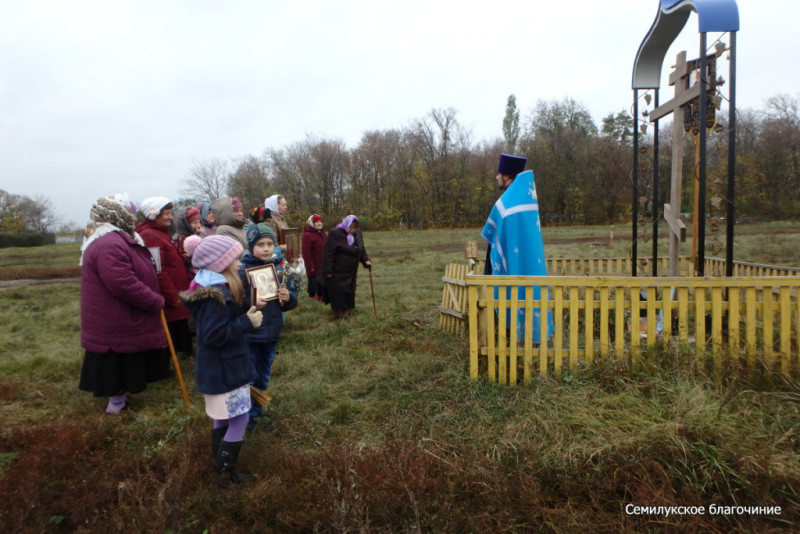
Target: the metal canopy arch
(713, 16)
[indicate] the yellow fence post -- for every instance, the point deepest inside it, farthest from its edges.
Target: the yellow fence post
(558, 335)
(604, 306)
(786, 329)
(474, 346)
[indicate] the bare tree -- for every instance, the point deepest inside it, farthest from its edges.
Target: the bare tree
(250, 182)
(313, 175)
(207, 179)
(441, 145)
(38, 213)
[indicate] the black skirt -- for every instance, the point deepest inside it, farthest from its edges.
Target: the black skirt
(109, 374)
(181, 336)
(340, 300)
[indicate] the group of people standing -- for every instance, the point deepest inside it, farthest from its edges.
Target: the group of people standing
(139, 284)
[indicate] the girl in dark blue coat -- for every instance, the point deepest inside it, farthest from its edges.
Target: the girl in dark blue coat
(223, 369)
(264, 340)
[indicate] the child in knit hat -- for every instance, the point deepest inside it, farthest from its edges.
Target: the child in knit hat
(264, 340)
(223, 369)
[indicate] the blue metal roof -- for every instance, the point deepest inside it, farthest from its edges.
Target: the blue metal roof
(713, 16)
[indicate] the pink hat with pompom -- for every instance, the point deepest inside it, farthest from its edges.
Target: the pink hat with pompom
(216, 253)
(190, 244)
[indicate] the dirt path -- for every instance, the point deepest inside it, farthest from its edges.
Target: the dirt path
(4, 284)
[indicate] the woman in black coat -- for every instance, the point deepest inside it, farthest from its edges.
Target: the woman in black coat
(343, 251)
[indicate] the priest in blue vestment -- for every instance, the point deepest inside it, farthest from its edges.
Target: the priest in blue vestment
(514, 234)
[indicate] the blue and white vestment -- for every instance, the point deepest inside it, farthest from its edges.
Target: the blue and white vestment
(514, 234)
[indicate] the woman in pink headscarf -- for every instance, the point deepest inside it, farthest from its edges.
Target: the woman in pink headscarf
(343, 251)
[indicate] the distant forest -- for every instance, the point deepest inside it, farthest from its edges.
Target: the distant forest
(431, 173)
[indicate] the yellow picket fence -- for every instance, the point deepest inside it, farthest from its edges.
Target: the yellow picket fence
(453, 311)
(735, 320)
(613, 266)
(716, 267)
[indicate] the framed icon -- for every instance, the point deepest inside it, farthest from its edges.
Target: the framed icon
(290, 241)
(263, 283)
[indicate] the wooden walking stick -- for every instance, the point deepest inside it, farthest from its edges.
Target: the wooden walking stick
(155, 253)
(174, 358)
(372, 287)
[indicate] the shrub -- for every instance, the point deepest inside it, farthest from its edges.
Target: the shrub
(26, 239)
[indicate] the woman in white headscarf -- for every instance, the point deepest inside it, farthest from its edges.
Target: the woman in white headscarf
(276, 204)
(172, 274)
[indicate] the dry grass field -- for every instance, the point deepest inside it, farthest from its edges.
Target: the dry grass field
(378, 428)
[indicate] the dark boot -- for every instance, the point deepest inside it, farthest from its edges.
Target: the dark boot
(216, 436)
(225, 465)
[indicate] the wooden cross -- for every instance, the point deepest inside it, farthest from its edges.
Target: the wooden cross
(684, 94)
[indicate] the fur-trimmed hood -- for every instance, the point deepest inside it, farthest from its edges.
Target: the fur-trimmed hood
(219, 293)
(223, 361)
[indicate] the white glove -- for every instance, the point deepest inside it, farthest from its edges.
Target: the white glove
(255, 316)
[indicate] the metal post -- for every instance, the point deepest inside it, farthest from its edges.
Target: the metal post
(701, 199)
(634, 259)
(731, 213)
(656, 201)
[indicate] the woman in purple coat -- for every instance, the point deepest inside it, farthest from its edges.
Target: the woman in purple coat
(121, 327)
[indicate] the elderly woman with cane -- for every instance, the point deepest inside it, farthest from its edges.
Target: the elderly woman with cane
(343, 251)
(172, 274)
(121, 329)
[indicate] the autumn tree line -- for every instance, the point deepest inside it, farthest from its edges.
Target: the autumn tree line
(433, 174)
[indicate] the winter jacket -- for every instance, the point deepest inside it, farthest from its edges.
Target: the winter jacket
(173, 277)
(313, 243)
(223, 361)
(120, 299)
(272, 323)
(227, 224)
(208, 229)
(341, 260)
(277, 223)
(182, 225)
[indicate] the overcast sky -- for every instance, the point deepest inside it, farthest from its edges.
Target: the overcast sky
(99, 97)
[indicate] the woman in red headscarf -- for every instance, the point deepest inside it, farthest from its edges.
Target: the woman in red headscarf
(313, 242)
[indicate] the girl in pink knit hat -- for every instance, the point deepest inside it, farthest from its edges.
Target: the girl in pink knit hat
(223, 369)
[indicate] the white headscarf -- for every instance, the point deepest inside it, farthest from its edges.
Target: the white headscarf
(152, 206)
(271, 203)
